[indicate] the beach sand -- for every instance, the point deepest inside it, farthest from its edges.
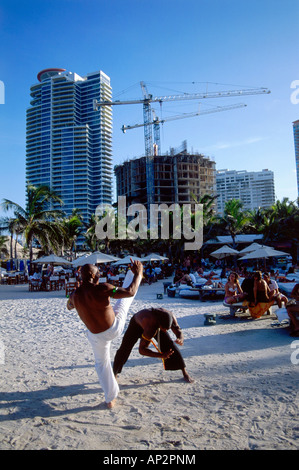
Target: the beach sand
(245, 394)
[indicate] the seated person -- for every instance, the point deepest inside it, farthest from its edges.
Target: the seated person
(150, 273)
(36, 276)
(178, 275)
(293, 311)
(186, 279)
(274, 293)
(261, 289)
(247, 287)
(233, 290)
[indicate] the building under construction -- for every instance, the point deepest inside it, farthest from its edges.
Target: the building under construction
(177, 177)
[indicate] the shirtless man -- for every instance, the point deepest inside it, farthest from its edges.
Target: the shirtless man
(104, 323)
(145, 325)
(261, 289)
(293, 311)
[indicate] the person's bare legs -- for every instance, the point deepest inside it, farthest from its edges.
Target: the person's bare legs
(111, 404)
(121, 309)
(187, 377)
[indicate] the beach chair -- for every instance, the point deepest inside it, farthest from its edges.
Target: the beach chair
(70, 285)
(114, 280)
(12, 279)
(54, 282)
(34, 285)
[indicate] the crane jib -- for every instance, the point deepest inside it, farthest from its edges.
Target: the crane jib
(191, 96)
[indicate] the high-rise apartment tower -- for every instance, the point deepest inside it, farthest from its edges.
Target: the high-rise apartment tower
(254, 188)
(296, 142)
(69, 145)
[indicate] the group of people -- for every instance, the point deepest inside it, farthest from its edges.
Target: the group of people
(105, 323)
(255, 288)
(263, 288)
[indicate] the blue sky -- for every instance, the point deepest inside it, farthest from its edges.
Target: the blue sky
(174, 46)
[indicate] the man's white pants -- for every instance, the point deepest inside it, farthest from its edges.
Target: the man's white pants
(101, 344)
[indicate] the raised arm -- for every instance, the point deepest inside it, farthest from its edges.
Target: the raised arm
(123, 292)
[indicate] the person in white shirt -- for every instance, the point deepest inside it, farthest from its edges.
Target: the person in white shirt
(274, 291)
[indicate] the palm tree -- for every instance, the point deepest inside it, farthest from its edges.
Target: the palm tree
(234, 218)
(3, 247)
(38, 222)
(284, 217)
(90, 234)
(71, 227)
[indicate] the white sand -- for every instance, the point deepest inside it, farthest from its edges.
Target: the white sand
(244, 395)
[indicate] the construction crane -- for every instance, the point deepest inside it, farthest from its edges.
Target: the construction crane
(156, 121)
(148, 99)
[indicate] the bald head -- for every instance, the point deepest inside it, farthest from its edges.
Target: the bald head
(88, 272)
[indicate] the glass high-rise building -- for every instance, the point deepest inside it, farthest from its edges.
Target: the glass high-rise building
(68, 143)
(296, 143)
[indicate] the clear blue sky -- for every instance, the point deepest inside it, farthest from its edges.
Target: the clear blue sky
(174, 46)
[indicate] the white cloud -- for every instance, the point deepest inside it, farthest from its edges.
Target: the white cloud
(228, 145)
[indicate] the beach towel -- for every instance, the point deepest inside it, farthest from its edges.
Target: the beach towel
(258, 310)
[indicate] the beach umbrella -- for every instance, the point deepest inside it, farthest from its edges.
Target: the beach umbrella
(252, 247)
(154, 257)
(79, 260)
(224, 252)
(265, 252)
(127, 260)
(52, 259)
(96, 258)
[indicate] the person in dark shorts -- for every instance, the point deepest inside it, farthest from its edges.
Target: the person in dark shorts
(145, 325)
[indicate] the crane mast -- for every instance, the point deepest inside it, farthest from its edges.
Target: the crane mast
(147, 117)
(156, 121)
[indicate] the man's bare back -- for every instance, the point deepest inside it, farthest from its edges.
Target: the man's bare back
(92, 300)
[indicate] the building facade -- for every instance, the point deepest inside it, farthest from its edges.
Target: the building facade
(68, 144)
(296, 143)
(165, 179)
(254, 188)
